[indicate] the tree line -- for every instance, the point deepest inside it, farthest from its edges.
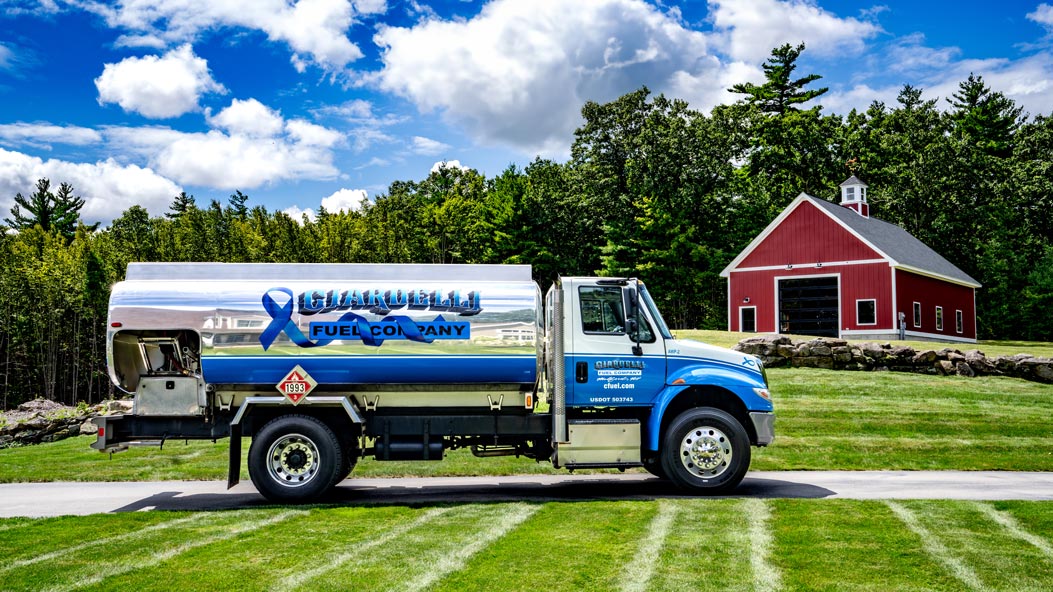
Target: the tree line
(652, 189)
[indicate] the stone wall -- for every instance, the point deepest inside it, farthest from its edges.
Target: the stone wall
(837, 354)
(39, 421)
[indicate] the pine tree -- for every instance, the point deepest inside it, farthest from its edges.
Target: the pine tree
(180, 205)
(53, 212)
(779, 94)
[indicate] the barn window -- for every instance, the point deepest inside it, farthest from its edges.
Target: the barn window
(939, 318)
(866, 312)
(959, 322)
(917, 314)
(748, 319)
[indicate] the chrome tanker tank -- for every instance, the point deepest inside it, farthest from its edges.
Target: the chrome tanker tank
(344, 324)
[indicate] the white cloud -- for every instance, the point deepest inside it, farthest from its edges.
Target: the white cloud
(239, 155)
(448, 164)
(910, 55)
(250, 118)
(297, 214)
(309, 134)
(7, 57)
(1027, 81)
(371, 6)
(45, 134)
(747, 30)
(518, 72)
(314, 29)
(859, 97)
(427, 146)
(365, 137)
(251, 145)
(215, 159)
(345, 200)
(157, 87)
(108, 188)
(1043, 15)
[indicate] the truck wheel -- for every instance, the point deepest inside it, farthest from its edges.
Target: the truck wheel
(706, 451)
(295, 458)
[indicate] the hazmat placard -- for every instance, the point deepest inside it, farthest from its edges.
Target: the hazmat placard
(296, 385)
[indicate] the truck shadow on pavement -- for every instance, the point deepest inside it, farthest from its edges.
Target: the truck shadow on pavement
(359, 492)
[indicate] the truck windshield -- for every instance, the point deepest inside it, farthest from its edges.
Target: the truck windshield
(663, 329)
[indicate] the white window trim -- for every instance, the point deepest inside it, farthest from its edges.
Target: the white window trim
(874, 300)
(939, 318)
(959, 322)
(742, 308)
(916, 309)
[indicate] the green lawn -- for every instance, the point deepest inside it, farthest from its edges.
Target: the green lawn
(667, 544)
(826, 420)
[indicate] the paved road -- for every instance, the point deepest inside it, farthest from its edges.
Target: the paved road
(56, 499)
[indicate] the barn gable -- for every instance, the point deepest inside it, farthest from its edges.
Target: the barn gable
(806, 235)
(781, 244)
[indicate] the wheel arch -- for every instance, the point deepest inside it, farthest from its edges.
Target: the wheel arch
(675, 400)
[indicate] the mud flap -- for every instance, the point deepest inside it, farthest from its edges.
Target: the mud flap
(234, 463)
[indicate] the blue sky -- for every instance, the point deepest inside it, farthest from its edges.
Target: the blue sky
(326, 102)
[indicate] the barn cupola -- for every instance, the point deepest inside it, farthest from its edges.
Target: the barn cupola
(854, 196)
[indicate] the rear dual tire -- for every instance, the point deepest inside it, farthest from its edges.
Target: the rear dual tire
(296, 459)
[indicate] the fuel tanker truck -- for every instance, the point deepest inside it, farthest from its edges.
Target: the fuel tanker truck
(324, 364)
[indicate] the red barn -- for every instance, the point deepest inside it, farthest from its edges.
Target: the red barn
(831, 270)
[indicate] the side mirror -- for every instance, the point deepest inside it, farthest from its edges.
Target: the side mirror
(631, 327)
(632, 317)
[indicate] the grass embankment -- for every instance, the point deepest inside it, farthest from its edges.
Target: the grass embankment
(826, 420)
(723, 544)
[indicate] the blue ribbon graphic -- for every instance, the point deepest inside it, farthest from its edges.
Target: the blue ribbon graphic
(281, 320)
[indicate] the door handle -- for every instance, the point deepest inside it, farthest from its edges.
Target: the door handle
(582, 372)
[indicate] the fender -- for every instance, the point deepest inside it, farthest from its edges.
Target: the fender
(742, 384)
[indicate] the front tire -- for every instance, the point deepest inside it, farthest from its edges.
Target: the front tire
(295, 459)
(706, 451)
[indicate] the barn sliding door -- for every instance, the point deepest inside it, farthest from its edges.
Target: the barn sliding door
(809, 306)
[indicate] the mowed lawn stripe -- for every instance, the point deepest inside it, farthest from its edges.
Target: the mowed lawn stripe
(568, 546)
(414, 554)
(121, 538)
(832, 545)
(515, 515)
(934, 547)
(334, 561)
(638, 572)
(708, 548)
(1013, 527)
(100, 572)
(255, 561)
(765, 575)
(1003, 558)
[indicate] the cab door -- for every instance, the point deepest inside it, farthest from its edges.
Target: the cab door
(607, 365)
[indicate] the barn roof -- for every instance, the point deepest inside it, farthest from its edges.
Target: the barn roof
(903, 250)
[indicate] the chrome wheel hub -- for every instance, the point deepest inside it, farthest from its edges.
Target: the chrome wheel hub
(706, 451)
(293, 460)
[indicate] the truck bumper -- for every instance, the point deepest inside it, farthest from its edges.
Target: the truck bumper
(764, 425)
